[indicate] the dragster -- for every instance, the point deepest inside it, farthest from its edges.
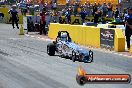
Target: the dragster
(66, 48)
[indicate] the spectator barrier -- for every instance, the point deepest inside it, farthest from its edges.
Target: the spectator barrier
(89, 35)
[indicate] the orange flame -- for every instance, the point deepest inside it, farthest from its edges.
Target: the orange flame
(81, 71)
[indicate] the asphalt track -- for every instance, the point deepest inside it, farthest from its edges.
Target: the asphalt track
(24, 63)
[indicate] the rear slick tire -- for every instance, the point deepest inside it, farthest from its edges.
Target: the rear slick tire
(51, 49)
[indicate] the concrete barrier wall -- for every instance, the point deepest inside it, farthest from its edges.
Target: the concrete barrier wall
(86, 35)
(119, 40)
(92, 36)
(53, 30)
(5, 12)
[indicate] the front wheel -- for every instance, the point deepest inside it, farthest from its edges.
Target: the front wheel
(73, 56)
(90, 56)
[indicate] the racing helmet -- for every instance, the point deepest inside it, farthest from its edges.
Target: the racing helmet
(64, 37)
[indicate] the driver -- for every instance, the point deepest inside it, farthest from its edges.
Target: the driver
(64, 37)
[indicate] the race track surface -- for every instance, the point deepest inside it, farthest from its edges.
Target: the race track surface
(24, 63)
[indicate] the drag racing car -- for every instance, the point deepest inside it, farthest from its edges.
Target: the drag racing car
(66, 48)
